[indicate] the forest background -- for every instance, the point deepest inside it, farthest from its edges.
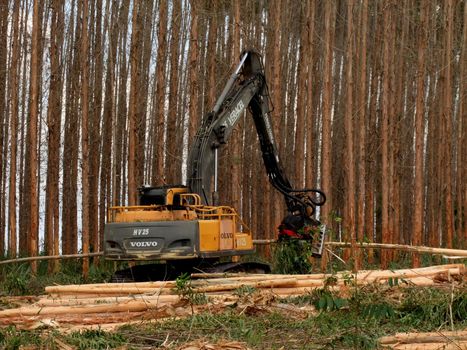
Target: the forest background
(99, 97)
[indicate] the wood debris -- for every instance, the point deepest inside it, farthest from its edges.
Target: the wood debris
(220, 345)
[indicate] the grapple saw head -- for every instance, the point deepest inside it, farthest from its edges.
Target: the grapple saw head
(297, 226)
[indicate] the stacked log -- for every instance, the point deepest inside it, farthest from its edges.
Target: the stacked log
(116, 303)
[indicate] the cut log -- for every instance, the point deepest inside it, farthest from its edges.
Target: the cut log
(424, 337)
(417, 249)
(162, 299)
(86, 288)
(166, 286)
(52, 257)
(263, 284)
(130, 306)
(461, 345)
(364, 274)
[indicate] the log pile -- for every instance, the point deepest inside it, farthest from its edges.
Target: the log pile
(109, 305)
(426, 341)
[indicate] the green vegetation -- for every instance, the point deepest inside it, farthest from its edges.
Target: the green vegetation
(292, 257)
(17, 279)
(95, 339)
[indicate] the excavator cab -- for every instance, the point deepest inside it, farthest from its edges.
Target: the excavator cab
(162, 195)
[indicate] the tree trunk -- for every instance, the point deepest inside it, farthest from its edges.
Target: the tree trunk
(349, 126)
(145, 58)
(299, 149)
(84, 136)
(236, 144)
(4, 122)
(193, 74)
(54, 123)
(23, 156)
(120, 136)
(329, 13)
(419, 200)
(158, 146)
(97, 50)
(33, 230)
(172, 151)
(447, 120)
(363, 123)
(134, 100)
(385, 164)
(461, 140)
(311, 168)
(108, 122)
(14, 103)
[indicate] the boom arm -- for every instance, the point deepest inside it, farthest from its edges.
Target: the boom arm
(246, 88)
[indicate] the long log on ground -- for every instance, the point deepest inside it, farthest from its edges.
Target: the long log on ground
(53, 320)
(417, 249)
(364, 245)
(162, 299)
(428, 337)
(423, 271)
(242, 276)
(83, 288)
(122, 289)
(263, 284)
(364, 276)
(461, 345)
(50, 257)
(428, 274)
(144, 304)
(283, 285)
(426, 341)
(130, 306)
(107, 327)
(299, 288)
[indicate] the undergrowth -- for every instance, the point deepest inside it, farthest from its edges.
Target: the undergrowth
(18, 279)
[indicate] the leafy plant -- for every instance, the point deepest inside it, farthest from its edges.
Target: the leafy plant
(185, 289)
(292, 257)
(378, 311)
(324, 300)
(349, 279)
